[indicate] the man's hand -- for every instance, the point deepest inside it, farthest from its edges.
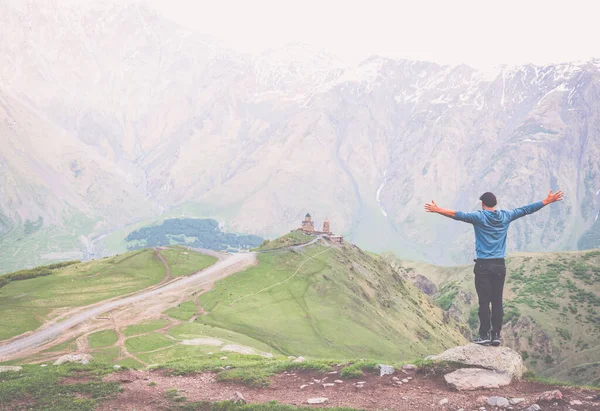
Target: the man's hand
(432, 207)
(553, 197)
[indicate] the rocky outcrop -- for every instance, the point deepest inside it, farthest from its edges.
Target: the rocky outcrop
(468, 379)
(76, 358)
(488, 367)
(501, 359)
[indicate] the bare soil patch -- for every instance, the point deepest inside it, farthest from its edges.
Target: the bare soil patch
(147, 390)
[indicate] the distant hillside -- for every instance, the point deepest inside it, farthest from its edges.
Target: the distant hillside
(198, 233)
(552, 308)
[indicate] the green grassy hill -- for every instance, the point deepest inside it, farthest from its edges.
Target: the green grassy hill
(320, 302)
(329, 302)
(27, 304)
(552, 308)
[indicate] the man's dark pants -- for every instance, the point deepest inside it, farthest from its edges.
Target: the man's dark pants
(489, 283)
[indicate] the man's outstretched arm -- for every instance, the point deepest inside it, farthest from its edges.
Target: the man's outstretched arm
(433, 208)
(532, 208)
(471, 218)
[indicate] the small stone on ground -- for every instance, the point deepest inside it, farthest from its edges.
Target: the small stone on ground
(317, 400)
(500, 402)
(8, 368)
(385, 370)
(238, 398)
(550, 396)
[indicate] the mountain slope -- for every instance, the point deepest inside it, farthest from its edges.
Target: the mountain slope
(329, 302)
(166, 120)
(551, 310)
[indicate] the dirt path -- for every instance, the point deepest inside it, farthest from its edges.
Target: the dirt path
(422, 392)
(146, 304)
(83, 344)
(121, 344)
(167, 268)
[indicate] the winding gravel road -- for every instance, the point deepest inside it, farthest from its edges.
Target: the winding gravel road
(226, 265)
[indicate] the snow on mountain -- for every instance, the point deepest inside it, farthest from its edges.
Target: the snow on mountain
(131, 115)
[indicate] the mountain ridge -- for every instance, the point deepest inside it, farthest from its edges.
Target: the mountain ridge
(255, 142)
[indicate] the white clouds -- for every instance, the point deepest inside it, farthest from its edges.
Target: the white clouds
(478, 32)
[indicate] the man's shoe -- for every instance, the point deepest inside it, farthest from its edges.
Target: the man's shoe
(482, 339)
(495, 338)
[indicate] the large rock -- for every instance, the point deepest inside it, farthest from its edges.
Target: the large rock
(77, 358)
(501, 359)
(468, 379)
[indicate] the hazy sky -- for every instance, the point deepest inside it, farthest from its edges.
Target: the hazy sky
(480, 33)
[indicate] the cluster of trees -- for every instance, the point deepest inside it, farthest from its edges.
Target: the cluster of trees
(34, 272)
(199, 233)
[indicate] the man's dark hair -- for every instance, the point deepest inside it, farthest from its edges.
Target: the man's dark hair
(489, 199)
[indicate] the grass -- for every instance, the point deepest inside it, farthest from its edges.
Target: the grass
(102, 339)
(25, 305)
(183, 311)
(446, 295)
(70, 345)
(40, 388)
(148, 342)
(330, 308)
(197, 330)
(534, 377)
(357, 369)
(130, 363)
(251, 370)
(106, 354)
(293, 238)
(145, 327)
(183, 261)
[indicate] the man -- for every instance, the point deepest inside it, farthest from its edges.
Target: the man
(491, 226)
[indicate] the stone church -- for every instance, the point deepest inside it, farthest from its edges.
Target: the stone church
(308, 227)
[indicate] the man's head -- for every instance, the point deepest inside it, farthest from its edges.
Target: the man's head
(489, 200)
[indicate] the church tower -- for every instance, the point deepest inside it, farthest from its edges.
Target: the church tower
(307, 224)
(326, 228)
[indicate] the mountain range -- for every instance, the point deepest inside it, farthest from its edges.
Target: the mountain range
(112, 116)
